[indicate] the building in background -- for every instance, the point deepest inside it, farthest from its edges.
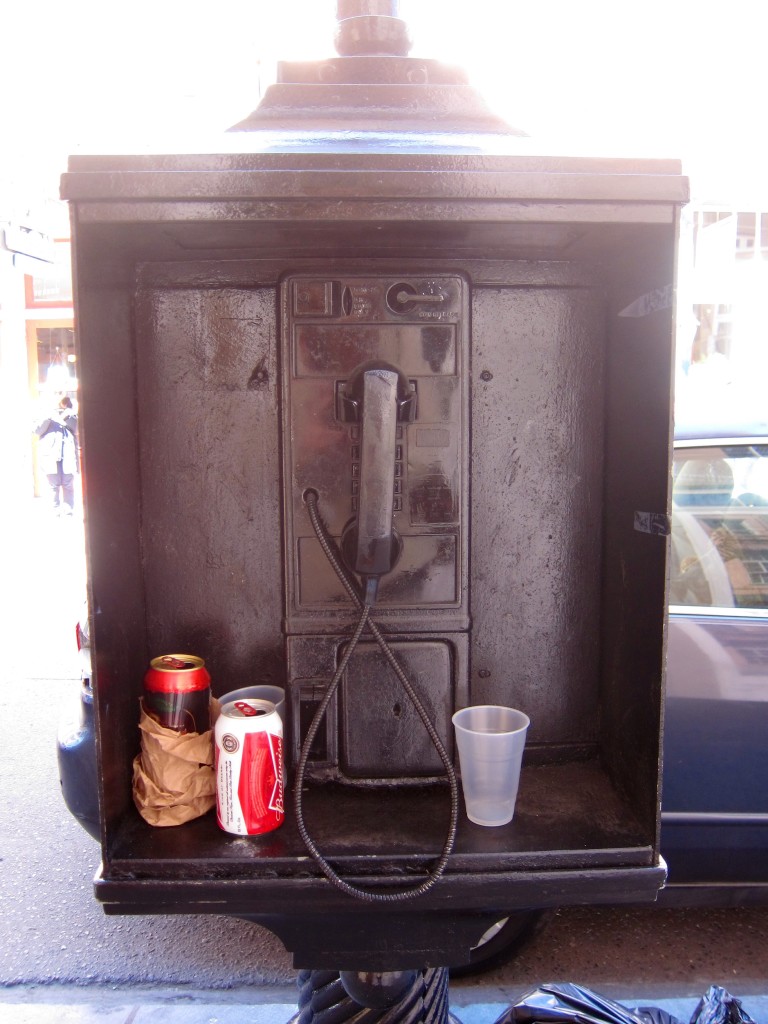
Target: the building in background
(722, 324)
(37, 332)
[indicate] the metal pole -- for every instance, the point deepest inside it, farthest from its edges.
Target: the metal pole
(370, 27)
(386, 997)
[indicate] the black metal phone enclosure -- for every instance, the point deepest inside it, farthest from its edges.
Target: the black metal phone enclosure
(535, 475)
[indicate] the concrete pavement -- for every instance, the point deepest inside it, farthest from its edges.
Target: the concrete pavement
(265, 1006)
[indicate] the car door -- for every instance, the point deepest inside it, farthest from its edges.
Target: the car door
(715, 795)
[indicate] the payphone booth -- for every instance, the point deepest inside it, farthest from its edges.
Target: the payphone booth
(375, 327)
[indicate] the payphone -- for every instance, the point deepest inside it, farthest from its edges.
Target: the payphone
(377, 326)
(376, 434)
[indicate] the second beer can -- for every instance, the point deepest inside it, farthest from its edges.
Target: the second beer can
(249, 767)
(177, 692)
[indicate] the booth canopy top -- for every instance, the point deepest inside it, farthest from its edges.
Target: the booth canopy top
(376, 112)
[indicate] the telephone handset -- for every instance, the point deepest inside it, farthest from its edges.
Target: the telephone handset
(377, 397)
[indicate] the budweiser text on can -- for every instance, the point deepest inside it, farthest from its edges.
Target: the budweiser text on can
(177, 692)
(249, 767)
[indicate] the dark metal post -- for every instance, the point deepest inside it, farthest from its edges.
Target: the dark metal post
(368, 27)
(330, 997)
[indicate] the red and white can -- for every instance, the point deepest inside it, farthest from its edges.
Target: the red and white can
(249, 767)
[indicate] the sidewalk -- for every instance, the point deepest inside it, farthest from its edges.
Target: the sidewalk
(477, 1005)
(43, 559)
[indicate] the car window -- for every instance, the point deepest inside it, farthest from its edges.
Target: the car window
(720, 526)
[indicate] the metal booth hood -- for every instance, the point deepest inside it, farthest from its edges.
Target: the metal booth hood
(373, 122)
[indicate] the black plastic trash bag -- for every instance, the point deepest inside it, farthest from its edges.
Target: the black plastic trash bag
(720, 1007)
(571, 1004)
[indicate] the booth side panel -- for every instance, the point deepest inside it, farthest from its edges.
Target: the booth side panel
(638, 429)
(109, 439)
(537, 517)
(207, 385)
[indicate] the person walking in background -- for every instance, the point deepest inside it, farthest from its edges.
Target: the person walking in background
(57, 451)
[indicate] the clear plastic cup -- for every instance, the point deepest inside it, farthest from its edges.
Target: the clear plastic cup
(275, 694)
(490, 740)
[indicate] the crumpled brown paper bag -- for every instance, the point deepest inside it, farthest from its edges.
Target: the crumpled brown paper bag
(173, 775)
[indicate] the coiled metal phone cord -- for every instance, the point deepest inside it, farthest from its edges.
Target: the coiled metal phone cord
(311, 499)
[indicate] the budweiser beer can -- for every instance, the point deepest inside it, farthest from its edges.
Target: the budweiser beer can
(177, 692)
(249, 767)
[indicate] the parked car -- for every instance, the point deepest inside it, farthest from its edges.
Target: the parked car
(76, 741)
(715, 794)
(714, 822)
